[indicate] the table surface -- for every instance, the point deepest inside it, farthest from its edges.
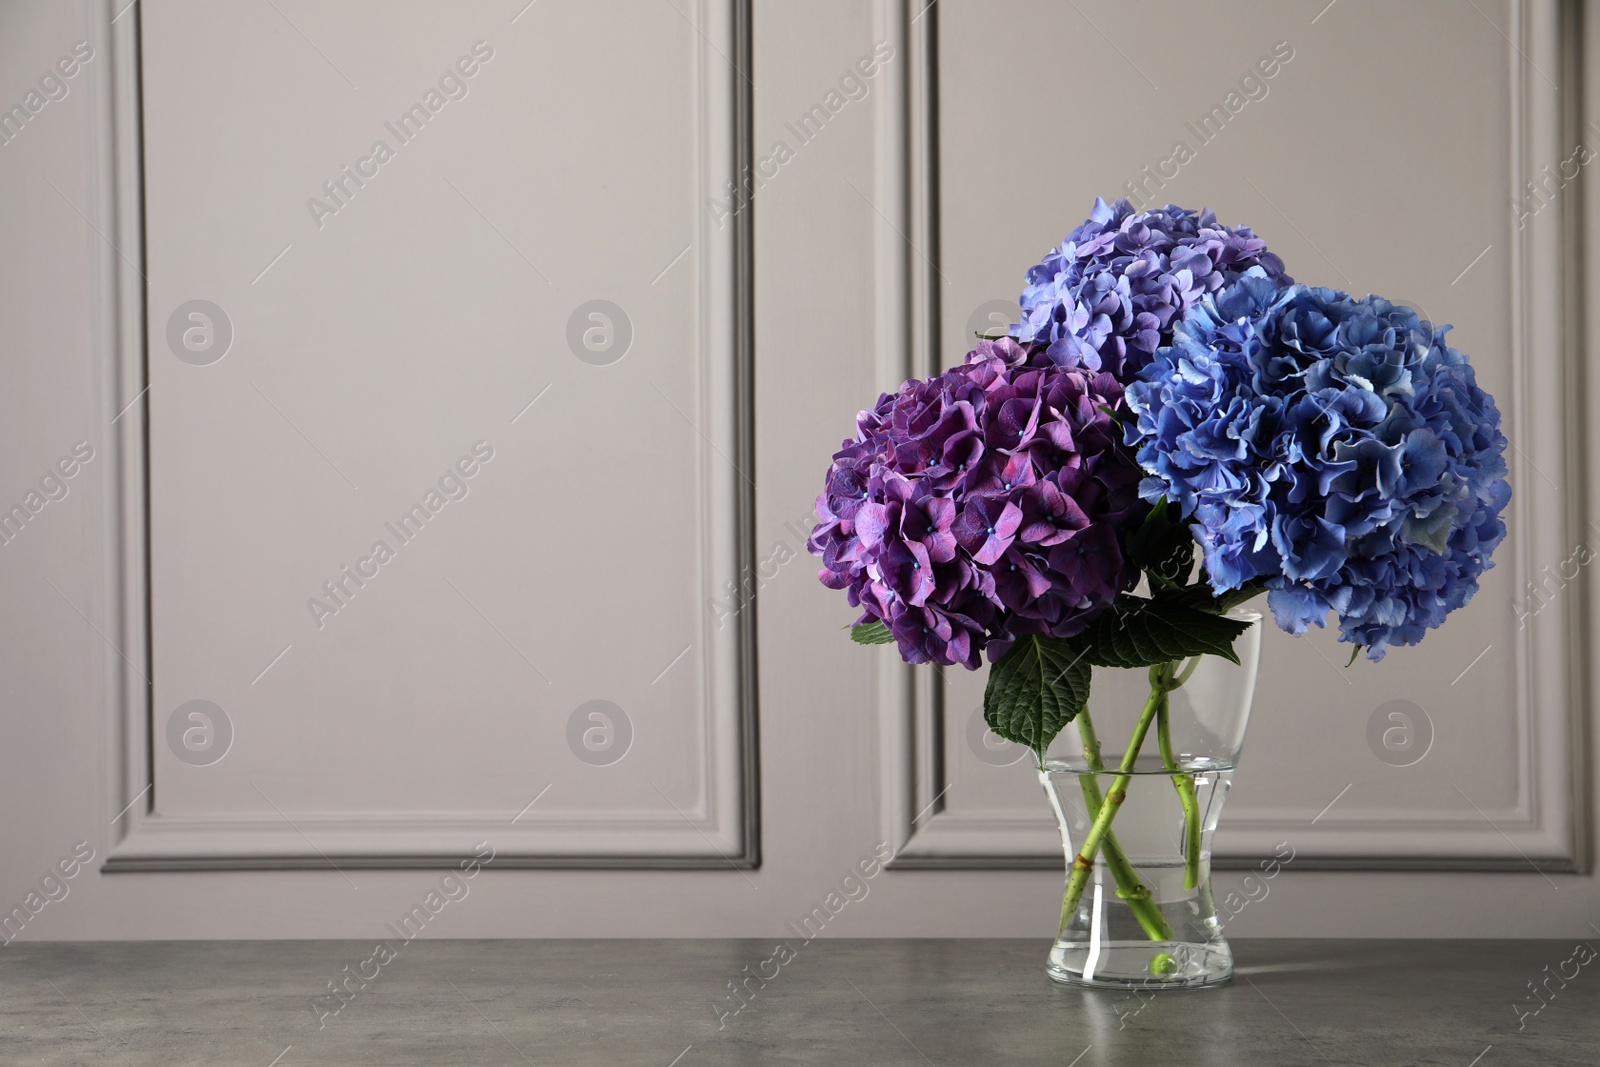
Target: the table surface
(835, 1001)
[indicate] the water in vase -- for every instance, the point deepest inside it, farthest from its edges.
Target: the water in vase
(1146, 916)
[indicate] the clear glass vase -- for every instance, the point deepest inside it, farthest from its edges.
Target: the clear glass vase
(1138, 912)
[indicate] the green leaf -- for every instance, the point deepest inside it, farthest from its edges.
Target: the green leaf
(1035, 690)
(1118, 415)
(1163, 547)
(1233, 598)
(1201, 598)
(1144, 633)
(871, 633)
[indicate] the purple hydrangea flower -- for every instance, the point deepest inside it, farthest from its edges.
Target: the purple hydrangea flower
(982, 505)
(1336, 447)
(1111, 294)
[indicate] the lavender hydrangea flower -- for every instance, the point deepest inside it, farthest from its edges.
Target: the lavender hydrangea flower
(1336, 448)
(982, 505)
(1110, 295)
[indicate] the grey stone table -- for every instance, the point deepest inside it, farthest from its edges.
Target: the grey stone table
(668, 1004)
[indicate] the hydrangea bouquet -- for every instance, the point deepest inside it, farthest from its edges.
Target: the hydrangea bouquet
(1168, 388)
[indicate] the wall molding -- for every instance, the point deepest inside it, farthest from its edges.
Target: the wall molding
(725, 830)
(1545, 826)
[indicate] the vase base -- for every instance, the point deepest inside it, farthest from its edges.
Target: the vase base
(1140, 964)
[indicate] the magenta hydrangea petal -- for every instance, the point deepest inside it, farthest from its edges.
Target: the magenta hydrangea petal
(943, 516)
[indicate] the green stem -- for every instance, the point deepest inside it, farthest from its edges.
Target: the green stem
(1183, 783)
(1083, 863)
(1130, 887)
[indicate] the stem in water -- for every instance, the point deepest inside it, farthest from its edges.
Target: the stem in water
(1130, 887)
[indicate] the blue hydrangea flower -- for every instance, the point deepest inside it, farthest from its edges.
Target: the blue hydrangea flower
(1336, 447)
(1112, 293)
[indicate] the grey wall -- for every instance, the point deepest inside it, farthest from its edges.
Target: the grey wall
(444, 303)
